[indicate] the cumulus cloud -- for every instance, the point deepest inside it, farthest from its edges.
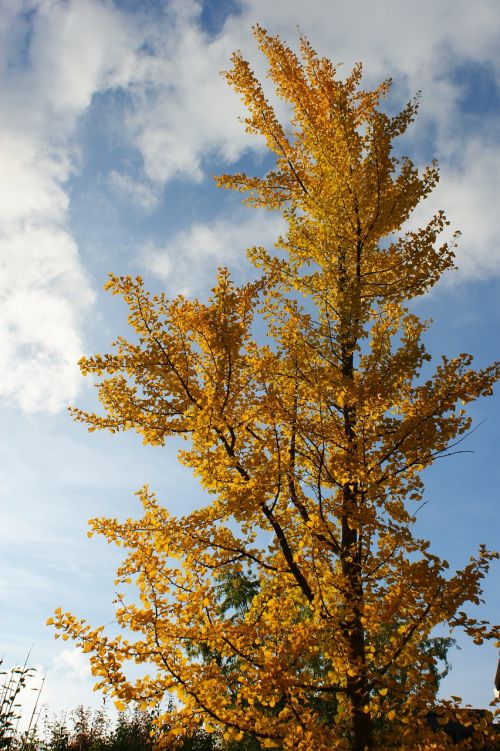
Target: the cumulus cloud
(39, 335)
(74, 662)
(188, 259)
(391, 36)
(468, 192)
(63, 54)
(182, 109)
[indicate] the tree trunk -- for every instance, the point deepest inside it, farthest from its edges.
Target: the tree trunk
(357, 685)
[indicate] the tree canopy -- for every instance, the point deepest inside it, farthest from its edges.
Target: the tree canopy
(310, 443)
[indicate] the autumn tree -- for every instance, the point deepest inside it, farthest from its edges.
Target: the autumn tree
(310, 444)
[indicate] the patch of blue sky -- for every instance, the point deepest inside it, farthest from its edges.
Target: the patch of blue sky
(479, 86)
(215, 13)
(212, 14)
(154, 7)
(19, 42)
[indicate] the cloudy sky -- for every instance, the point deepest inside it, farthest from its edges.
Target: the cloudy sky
(113, 119)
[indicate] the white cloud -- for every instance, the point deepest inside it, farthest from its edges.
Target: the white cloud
(188, 260)
(31, 178)
(468, 192)
(183, 110)
(43, 296)
(74, 662)
(139, 193)
(64, 53)
(79, 48)
(395, 36)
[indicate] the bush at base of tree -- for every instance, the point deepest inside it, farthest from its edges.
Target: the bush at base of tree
(87, 730)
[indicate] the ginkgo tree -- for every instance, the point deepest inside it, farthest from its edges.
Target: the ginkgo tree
(309, 441)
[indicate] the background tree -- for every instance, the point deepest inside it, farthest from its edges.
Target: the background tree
(310, 444)
(84, 730)
(236, 591)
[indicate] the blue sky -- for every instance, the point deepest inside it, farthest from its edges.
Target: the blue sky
(113, 120)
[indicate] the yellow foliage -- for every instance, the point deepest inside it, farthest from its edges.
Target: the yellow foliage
(310, 444)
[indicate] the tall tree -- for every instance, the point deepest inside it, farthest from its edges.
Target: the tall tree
(310, 445)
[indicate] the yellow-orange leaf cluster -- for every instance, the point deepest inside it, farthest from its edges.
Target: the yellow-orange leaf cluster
(311, 443)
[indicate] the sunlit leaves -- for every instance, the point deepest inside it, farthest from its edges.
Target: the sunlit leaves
(297, 605)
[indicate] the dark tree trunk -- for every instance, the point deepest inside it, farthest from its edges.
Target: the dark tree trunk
(357, 685)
